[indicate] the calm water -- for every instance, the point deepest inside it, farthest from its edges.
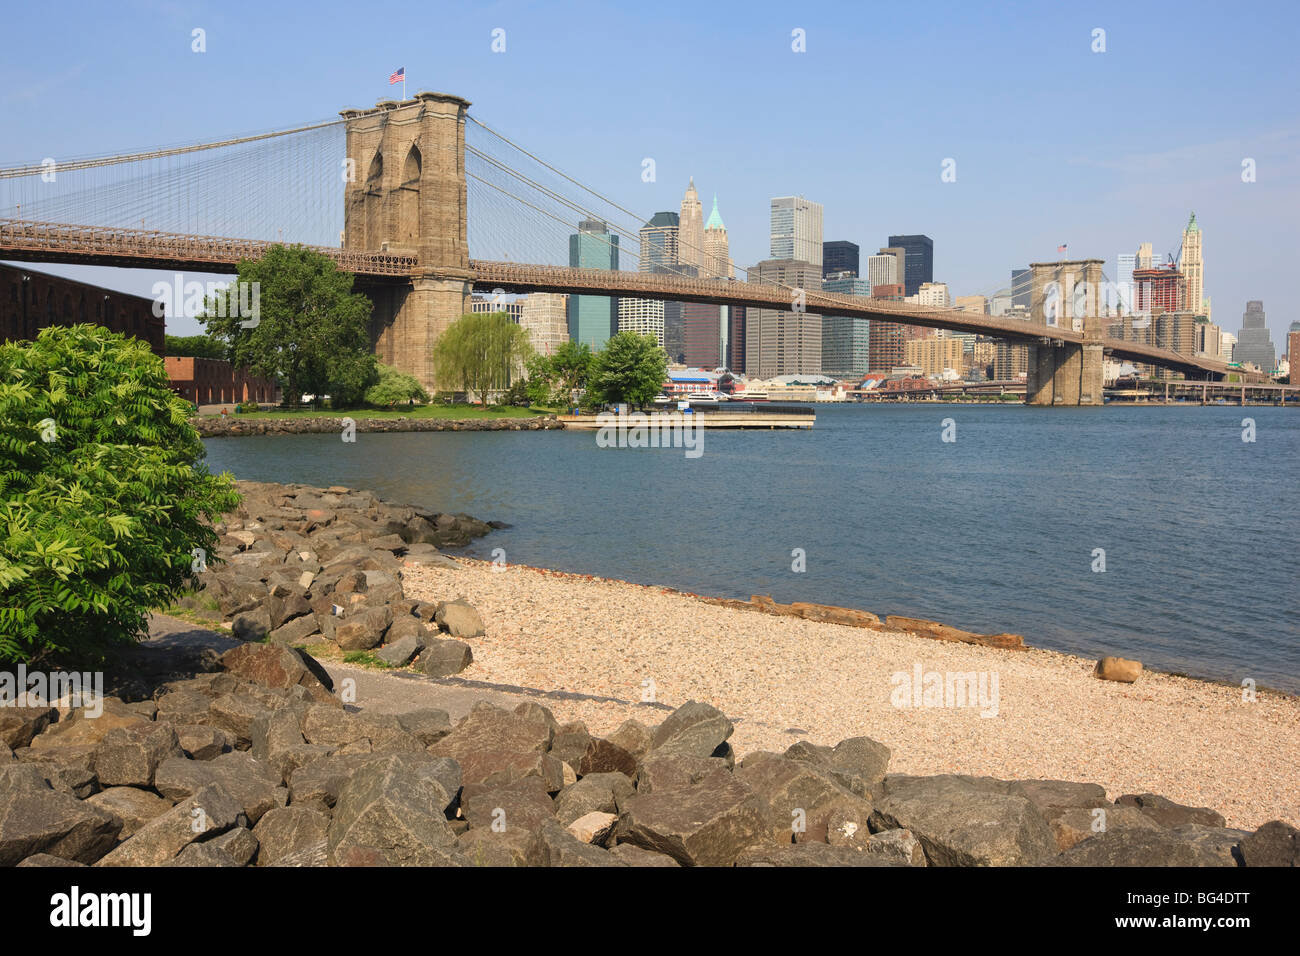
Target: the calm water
(993, 532)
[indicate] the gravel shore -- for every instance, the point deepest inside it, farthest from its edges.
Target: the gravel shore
(783, 679)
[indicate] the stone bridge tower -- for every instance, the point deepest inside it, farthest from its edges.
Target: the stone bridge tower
(407, 195)
(1068, 295)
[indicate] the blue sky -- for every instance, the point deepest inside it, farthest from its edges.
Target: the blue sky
(1053, 143)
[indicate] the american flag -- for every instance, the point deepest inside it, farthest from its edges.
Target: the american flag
(399, 75)
(1060, 248)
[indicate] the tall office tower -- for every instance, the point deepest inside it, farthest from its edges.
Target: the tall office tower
(1227, 343)
(1293, 349)
(717, 253)
(846, 340)
(593, 318)
(782, 342)
(882, 269)
(545, 317)
(1254, 344)
(797, 230)
(1209, 338)
(1176, 331)
(659, 242)
(885, 339)
(701, 334)
(1191, 265)
(1144, 258)
(919, 265)
(690, 230)
(642, 316)
(1125, 263)
(933, 356)
(840, 256)
(736, 338)
(1022, 284)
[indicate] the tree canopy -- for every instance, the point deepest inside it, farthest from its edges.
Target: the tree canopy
(481, 353)
(195, 346)
(104, 498)
(310, 331)
(630, 368)
(394, 387)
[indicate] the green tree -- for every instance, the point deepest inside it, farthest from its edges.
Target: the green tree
(196, 346)
(572, 364)
(481, 353)
(630, 368)
(394, 387)
(310, 330)
(103, 493)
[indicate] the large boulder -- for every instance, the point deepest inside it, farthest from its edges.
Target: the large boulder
(459, 619)
(444, 658)
(664, 772)
(494, 746)
(360, 630)
(966, 821)
(524, 804)
(287, 830)
(280, 667)
(206, 814)
(553, 845)
(134, 807)
(43, 821)
(1169, 814)
(391, 812)
(129, 756)
(597, 792)
(1276, 843)
(709, 823)
(809, 854)
(858, 763)
(695, 729)
(1188, 845)
(255, 786)
(18, 725)
(77, 729)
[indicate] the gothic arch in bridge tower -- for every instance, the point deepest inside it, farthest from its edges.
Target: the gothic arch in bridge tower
(408, 200)
(373, 202)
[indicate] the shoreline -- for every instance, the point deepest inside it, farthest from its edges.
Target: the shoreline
(784, 678)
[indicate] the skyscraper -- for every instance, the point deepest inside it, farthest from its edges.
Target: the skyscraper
(717, 253)
(919, 265)
(882, 269)
(1144, 257)
(593, 318)
(643, 317)
(796, 231)
(1191, 265)
(784, 342)
(701, 334)
(1293, 350)
(545, 317)
(1254, 344)
(839, 256)
(1125, 263)
(690, 230)
(659, 242)
(1022, 284)
(846, 339)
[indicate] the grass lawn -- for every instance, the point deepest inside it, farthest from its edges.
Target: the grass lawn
(419, 411)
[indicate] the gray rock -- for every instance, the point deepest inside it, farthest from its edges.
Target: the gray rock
(134, 807)
(633, 855)
(391, 811)
(239, 843)
(43, 821)
(1276, 843)
(799, 797)
(524, 804)
(399, 652)
(695, 729)
(45, 859)
(427, 725)
(459, 619)
(203, 855)
(443, 658)
(484, 846)
(962, 823)
(129, 756)
(660, 773)
(288, 830)
(297, 631)
(253, 624)
(206, 814)
(254, 786)
(570, 742)
(1170, 814)
(202, 743)
(706, 824)
(364, 629)
(18, 725)
(597, 792)
(555, 846)
(809, 854)
(1188, 845)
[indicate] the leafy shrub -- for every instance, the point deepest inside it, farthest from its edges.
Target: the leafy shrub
(103, 494)
(395, 387)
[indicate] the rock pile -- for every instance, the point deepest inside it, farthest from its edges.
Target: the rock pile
(258, 764)
(306, 565)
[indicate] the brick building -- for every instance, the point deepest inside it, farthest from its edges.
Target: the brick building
(31, 301)
(205, 381)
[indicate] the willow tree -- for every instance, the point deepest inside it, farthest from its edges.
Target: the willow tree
(481, 353)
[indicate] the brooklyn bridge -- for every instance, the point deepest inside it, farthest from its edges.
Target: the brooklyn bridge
(425, 203)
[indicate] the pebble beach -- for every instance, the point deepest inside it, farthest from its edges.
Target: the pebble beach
(780, 679)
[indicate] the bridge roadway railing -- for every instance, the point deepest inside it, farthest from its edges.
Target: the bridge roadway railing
(49, 241)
